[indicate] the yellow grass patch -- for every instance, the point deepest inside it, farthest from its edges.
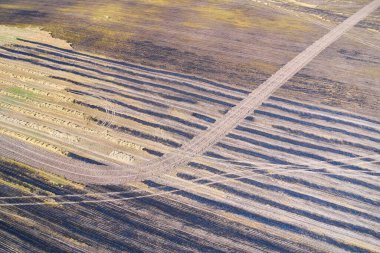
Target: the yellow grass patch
(266, 67)
(372, 72)
(16, 186)
(75, 242)
(180, 114)
(231, 16)
(58, 180)
(20, 219)
(283, 23)
(52, 203)
(16, 6)
(111, 12)
(302, 4)
(211, 14)
(49, 177)
(33, 141)
(373, 30)
(156, 2)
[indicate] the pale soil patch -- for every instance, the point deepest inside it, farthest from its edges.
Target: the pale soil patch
(9, 35)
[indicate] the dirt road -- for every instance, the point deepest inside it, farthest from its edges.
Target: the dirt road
(203, 141)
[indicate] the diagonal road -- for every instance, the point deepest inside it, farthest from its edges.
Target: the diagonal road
(208, 138)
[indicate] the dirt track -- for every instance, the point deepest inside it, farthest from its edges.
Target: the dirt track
(96, 174)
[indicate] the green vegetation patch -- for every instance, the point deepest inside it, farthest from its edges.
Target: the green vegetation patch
(20, 92)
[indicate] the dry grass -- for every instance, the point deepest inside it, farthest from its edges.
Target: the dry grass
(49, 177)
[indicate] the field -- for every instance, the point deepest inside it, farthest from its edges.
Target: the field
(182, 134)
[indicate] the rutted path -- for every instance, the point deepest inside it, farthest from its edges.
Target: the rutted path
(200, 143)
